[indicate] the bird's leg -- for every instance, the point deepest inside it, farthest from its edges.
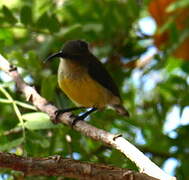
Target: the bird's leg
(61, 111)
(83, 116)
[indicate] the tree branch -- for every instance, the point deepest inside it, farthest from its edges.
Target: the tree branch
(57, 166)
(130, 151)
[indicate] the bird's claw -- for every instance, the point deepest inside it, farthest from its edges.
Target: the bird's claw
(76, 119)
(57, 115)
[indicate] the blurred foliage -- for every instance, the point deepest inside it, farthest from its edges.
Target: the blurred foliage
(172, 34)
(31, 30)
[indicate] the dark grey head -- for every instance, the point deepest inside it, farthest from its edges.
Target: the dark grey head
(71, 49)
(75, 47)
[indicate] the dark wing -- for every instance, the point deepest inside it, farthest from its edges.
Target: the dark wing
(98, 72)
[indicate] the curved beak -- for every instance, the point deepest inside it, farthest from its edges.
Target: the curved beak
(59, 54)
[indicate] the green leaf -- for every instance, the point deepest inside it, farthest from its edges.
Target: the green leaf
(43, 21)
(133, 8)
(185, 67)
(20, 59)
(33, 61)
(12, 144)
(8, 15)
(26, 15)
(7, 36)
(37, 120)
(70, 31)
(93, 27)
(176, 5)
(38, 138)
(172, 64)
(48, 89)
(53, 24)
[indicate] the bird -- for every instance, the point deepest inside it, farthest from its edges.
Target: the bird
(85, 80)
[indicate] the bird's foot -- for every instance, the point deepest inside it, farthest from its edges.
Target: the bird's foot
(76, 119)
(62, 111)
(57, 115)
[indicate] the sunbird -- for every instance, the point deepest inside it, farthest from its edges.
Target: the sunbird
(84, 79)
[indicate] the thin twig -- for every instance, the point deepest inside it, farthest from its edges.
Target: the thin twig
(16, 109)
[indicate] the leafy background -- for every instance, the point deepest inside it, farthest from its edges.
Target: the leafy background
(156, 93)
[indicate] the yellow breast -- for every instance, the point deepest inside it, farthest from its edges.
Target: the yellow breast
(82, 89)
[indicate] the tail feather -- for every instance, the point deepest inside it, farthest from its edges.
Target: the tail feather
(121, 110)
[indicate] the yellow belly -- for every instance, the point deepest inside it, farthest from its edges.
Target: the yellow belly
(84, 91)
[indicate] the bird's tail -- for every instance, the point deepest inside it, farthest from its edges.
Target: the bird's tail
(121, 110)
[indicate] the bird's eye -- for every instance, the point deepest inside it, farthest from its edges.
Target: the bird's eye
(83, 45)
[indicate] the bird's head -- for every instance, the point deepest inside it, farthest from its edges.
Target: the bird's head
(71, 49)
